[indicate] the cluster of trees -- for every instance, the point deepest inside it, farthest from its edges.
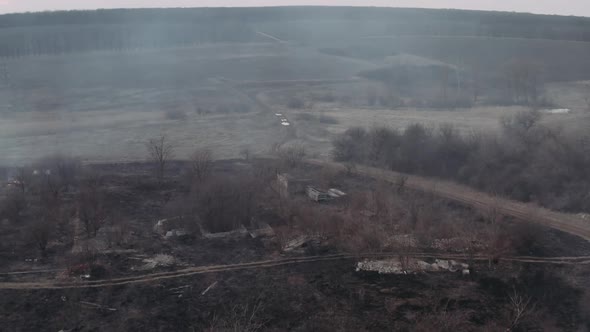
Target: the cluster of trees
(36, 201)
(517, 82)
(526, 160)
(121, 29)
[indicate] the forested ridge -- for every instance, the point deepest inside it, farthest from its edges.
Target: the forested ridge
(120, 29)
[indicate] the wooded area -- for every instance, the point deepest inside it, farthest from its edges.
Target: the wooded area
(125, 29)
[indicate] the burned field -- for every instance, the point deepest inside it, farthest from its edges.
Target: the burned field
(241, 245)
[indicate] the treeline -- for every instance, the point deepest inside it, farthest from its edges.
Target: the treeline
(526, 161)
(79, 31)
(60, 39)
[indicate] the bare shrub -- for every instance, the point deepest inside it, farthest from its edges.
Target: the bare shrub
(40, 232)
(239, 318)
(224, 204)
(91, 206)
(200, 164)
(292, 156)
(521, 123)
(160, 151)
(118, 232)
(441, 318)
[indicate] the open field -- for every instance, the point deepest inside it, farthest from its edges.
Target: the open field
(105, 105)
(121, 136)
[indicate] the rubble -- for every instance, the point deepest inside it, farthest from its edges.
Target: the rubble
(410, 265)
(263, 230)
(298, 243)
(160, 260)
(176, 233)
(240, 232)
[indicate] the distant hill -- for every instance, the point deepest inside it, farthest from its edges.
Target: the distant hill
(120, 29)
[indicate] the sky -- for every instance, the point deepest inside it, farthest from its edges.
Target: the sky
(560, 7)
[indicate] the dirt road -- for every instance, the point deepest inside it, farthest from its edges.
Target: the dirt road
(187, 272)
(487, 203)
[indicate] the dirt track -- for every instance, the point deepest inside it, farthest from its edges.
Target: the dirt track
(187, 272)
(568, 223)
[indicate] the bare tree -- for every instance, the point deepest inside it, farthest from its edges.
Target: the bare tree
(200, 164)
(520, 307)
(224, 204)
(23, 178)
(91, 210)
(160, 152)
(246, 154)
(524, 80)
(40, 233)
(292, 156)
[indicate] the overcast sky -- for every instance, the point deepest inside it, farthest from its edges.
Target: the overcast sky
(561, 7)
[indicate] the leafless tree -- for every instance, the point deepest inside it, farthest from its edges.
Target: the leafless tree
(520, 306)
(201, 163)
(292, 156)
(23, 178)
(40, 232)
(524, 80)
(223, 204)
(246, 154)
(160, 151)
(91, 209)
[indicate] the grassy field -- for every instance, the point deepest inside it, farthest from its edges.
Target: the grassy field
(105, 105)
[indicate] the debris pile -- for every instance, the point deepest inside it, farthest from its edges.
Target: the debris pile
(160, 260)
(300, 243)
(410, 265)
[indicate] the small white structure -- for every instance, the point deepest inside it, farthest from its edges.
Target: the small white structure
(335, 193)
(316, 194)
(557, 111)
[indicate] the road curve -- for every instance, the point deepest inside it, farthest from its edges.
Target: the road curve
(565, 222)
